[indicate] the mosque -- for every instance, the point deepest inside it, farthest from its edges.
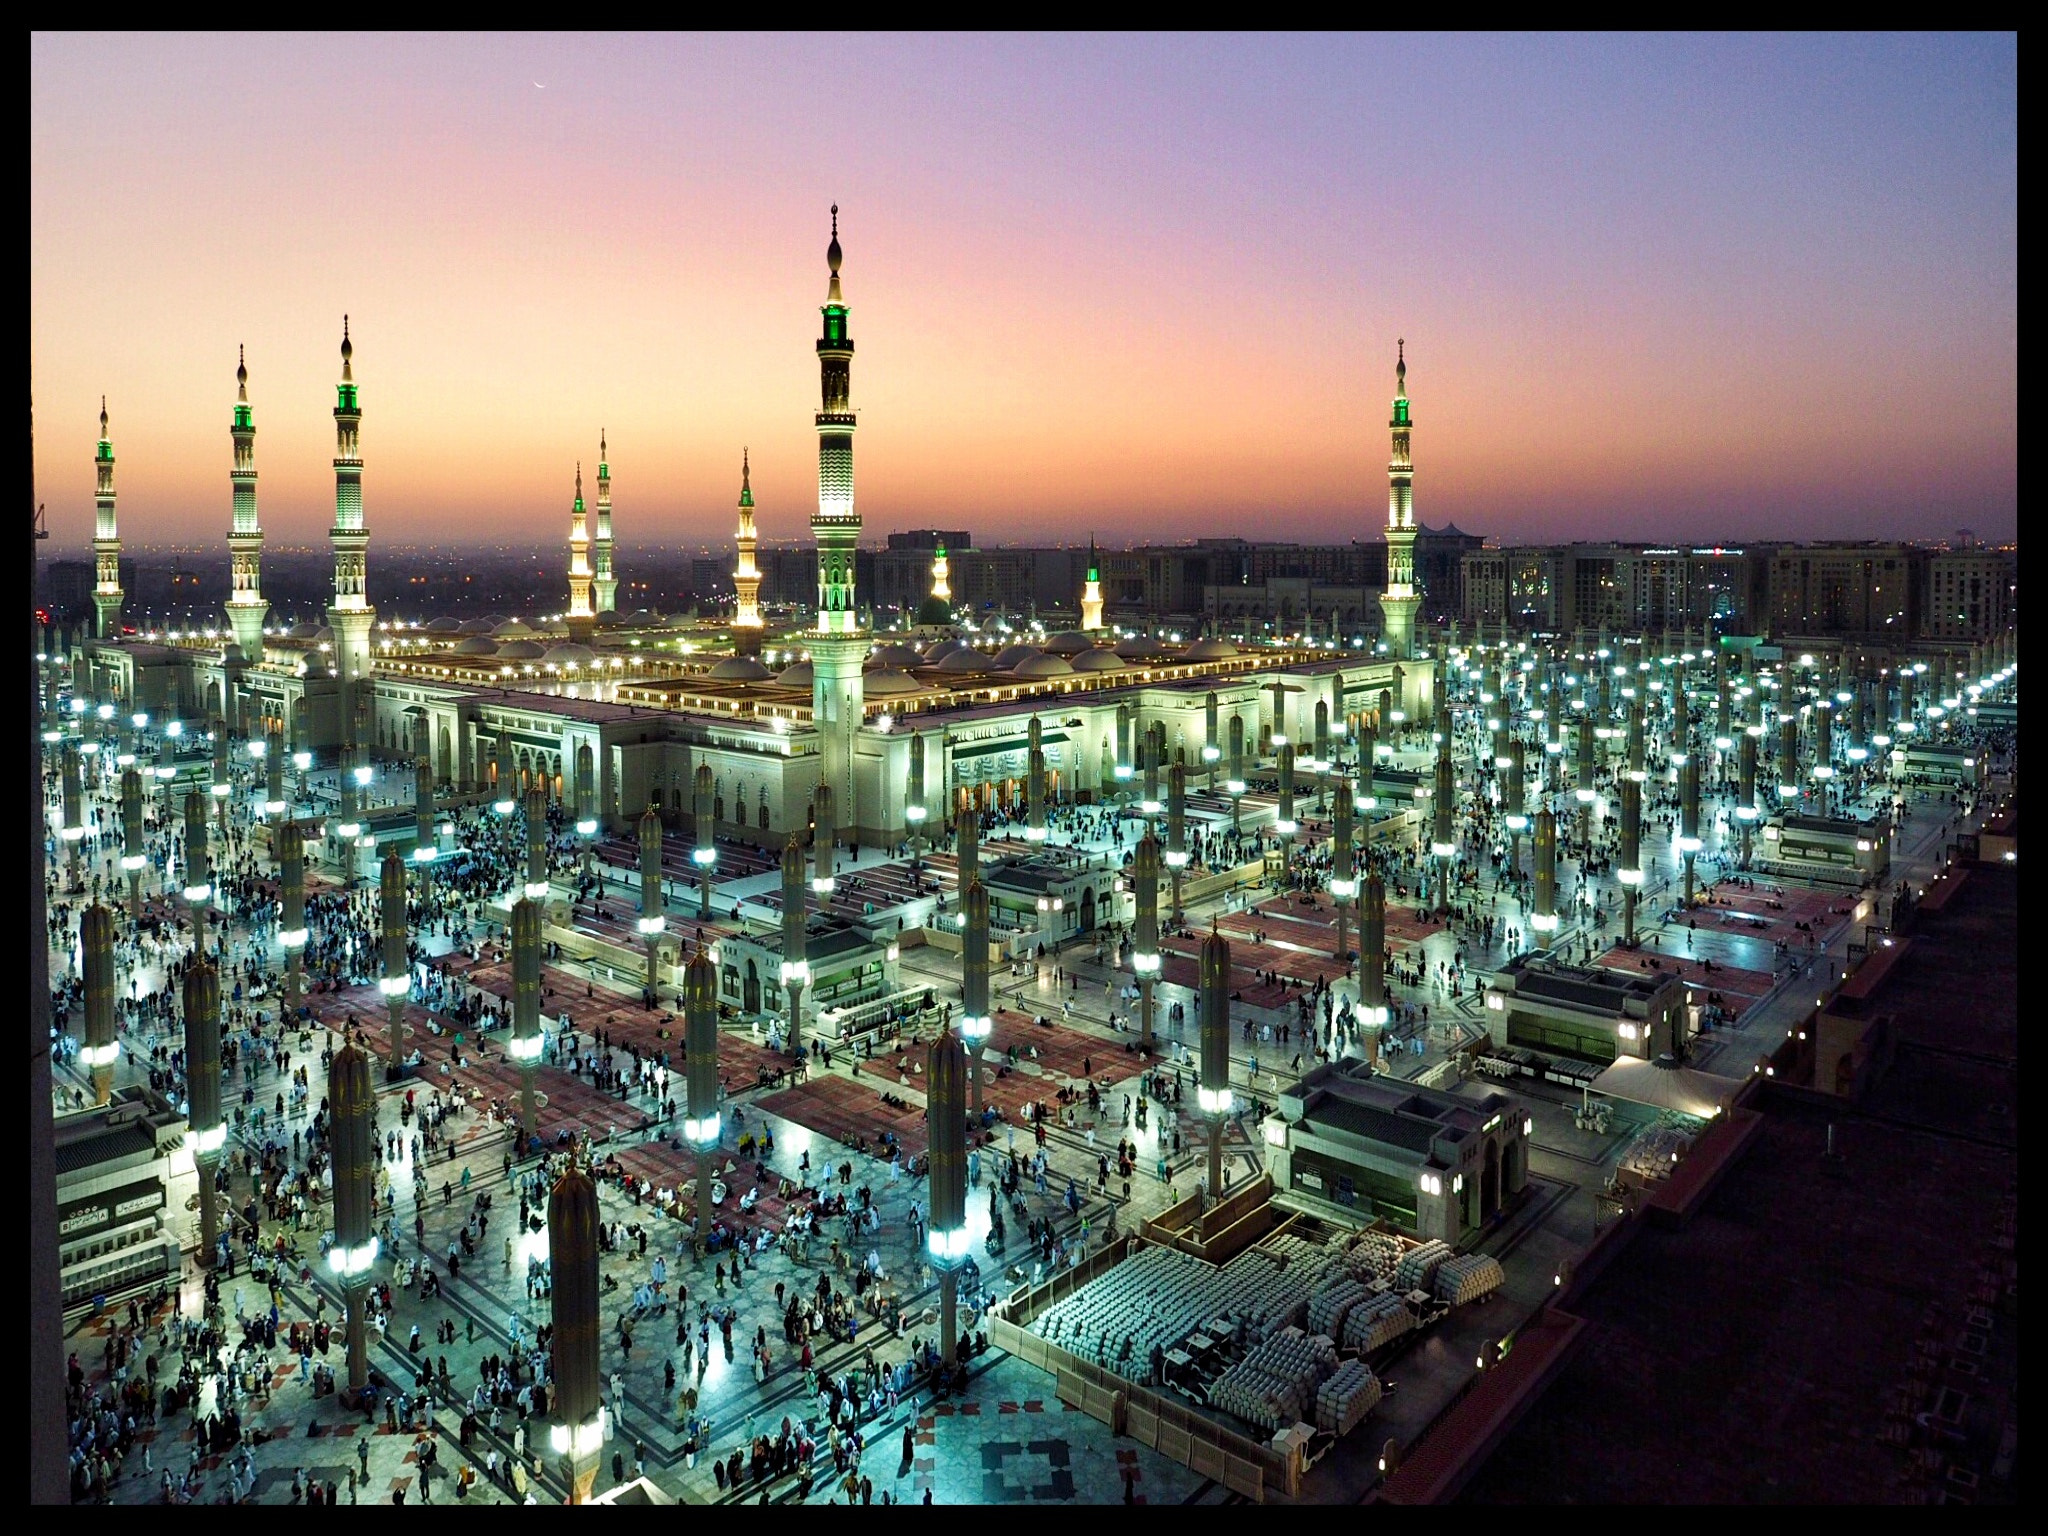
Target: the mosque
(618, 711)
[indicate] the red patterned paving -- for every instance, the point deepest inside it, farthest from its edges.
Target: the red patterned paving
(843, 1109)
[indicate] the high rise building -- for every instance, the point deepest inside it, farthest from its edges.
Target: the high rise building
(746, 575)
(605, 585)
(246, 608)
(838, 647)
(106, 543)
(1970, 594)
(1399, 601)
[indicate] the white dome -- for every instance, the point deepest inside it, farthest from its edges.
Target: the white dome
(569, 654)
(1010, 655)
(887, 682)
(964, 662)
(1101, 659)
(442, 626)
(796, 675)
(1068, 642)
(474, 627)
(896, 656)
(1139, 647)
(519, 650)
(476, 645)
(943, 649)
(303, 632)
(1211, 649)
(741, 669)
(1043, 666)
(511, 629)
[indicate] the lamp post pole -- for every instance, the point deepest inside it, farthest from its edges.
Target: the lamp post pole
(653, 916)
(394, 983)
(102, 1048)
(700, 1043)
(198, 868)
(525, 1046)
(1214, 1094)
(975, 1019)
(353, 1105)
(1177, 830)
(132, 857)
(291, 858)
(706, 853)
(1145, 941)
(946, 1243)
(796, 969)
(202, 1093)
(577, 1435)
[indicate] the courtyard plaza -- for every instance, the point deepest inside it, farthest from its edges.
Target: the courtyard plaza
(1064, 1021)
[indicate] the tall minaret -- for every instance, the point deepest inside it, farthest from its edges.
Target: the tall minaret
(349, 615)
(246, 607)
(1399, 601)
(106, 543)
(1091, 594)
(837, 647)
(606, 585)
(581, 620)
(942, 582)
(746, 576)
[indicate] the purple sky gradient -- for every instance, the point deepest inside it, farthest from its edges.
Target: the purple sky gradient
(1145, 286)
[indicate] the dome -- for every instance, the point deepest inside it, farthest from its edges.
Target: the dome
(894, 655)
(477, 645)
(316, 666)
(569, 654)
(964, 662)
(442, 626)
(796, 675)
(1010, 655)
(303, 632)
(324, 632)
(640, 618)
(1040, 665)
(474, 627)
(889, 681)
(740, 669)
(943, 649)
(1068, 642)
(519, 650)
(934, 613)
(1210, 649)
(1138, 647)
(1100, 659)
(510, 629)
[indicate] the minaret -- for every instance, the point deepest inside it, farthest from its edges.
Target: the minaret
(837, 646)
(349, 614)
(1399, 601)
(606, 585)
(246, 607)
(1091, 594)
(106, 543)
(581, 619)
(942, 585)
(746, 576)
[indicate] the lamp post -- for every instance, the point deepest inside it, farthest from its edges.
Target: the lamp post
(524, 1047)
(132, 856)
(578, 1433)
(966, 850)
(1373, 1011)
(536, 887)
(824, 834)
(1544, 919)
(223, 771)
(1177, 830)
(290, 848)
(1284, 823)
(1213, 1097)
(198, 868)
(705, 854)
(74, 800)
(796, 970)
(102, 1049)
(1153, 750)
(914, 809)
(202, 1097)
(1343, 886)
(395, 982)
(1788, 755)
(975, 1018)
(273, 768)
(1514, 801)
(1211, 749)
(1126, 717)
(354, 1144)
(1630, 868)
(1745, 808)
(653, 918)
(1145, 940)
(1234, 785)
(503, 773)
(700, 1045)
(1442, 844)
(425, 842)
(1034, 787)
(946, 1244)
(1689, 815)
(1583, 793)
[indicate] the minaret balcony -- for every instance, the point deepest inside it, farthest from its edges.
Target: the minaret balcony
(827, 419)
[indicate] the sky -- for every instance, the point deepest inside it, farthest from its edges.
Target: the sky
(1146, 287)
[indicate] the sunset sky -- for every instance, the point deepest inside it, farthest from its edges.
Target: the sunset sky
(1144, 286)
